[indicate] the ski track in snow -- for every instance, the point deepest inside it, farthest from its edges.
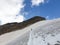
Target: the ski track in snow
(41, 33)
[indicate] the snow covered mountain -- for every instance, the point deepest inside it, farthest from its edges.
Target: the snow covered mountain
(45, 32)
(9, 27)
(17, 33)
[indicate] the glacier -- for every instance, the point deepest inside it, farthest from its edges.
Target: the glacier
(45, 32)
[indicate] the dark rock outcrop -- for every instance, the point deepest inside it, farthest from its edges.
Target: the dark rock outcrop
(15, 26)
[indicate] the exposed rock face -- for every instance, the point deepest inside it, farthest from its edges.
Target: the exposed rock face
(14, 26)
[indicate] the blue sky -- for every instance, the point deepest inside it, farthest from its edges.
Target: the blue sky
(49, 10)
(20, 10)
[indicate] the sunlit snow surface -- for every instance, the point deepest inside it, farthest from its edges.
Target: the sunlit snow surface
(41, 33)
(48, 33)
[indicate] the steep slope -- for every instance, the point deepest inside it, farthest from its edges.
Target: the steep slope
(40, 33)
(46, 34)
(16, 26)
(18, 36)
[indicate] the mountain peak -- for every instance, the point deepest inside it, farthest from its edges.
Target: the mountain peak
(9, 27)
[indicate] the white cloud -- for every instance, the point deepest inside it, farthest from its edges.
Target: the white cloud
(37, 2)
(9, 9)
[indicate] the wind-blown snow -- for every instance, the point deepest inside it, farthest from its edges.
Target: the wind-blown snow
(41, 33)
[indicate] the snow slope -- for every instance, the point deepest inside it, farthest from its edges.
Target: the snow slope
(48, 33)
(40, 33)
(19, 37)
